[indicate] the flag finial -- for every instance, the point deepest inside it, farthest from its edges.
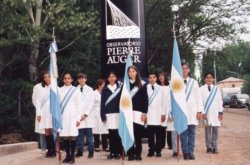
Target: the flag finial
(175, 9)
(53, 34)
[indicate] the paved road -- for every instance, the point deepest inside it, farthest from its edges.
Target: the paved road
(234, 148)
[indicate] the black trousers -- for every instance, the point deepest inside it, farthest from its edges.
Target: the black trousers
(169, 139)
(154, 138)
(163, 136)
(115, 144)
(104, 138)
(136, 149)
(50, 143)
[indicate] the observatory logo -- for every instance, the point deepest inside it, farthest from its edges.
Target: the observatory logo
(118, 24)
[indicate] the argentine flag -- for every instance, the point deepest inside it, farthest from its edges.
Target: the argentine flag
(177, 93)
(126, 130)
(54, 97)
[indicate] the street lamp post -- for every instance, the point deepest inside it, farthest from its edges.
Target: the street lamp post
(215, 73)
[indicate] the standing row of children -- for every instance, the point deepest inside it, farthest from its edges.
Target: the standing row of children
(85, 112)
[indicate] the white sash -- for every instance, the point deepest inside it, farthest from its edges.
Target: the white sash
(112, 96)
(210, 99)
(153, 95)
(135, 90)
(67, 98)
(189, 88)
(45, 99)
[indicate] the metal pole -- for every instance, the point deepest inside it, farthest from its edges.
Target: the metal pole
(215, 75)
(19, 105)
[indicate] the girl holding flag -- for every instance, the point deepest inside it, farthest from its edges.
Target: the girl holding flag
(110, 98)
(194, 107)
(43, 114)
(212, 114)
(71, 116)
(139, 96)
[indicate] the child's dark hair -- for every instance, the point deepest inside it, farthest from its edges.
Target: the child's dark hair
(111, 72)
(66, 74)
(42, 78)
(98, 83)
(208, 73)
(138, 76)
(165, 77)
(81, 75)
(187, 64)
(152, 73)
(73, 82)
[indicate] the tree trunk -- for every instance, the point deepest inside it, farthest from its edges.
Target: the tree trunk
(33, 70)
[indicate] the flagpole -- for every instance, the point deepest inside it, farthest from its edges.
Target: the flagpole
(123, 156)
(58, 136)
(178, 148)
(53, 34)
(178, 136)
(59, 148)
(123, 152)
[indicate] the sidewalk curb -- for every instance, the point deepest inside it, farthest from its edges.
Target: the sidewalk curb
(17, 147)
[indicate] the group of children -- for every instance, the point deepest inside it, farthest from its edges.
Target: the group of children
(93, 113)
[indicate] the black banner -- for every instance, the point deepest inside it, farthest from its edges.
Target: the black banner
(121, 21)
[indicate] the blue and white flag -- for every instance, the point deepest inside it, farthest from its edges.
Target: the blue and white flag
(54, 97)
(177, 92)
(126, 130)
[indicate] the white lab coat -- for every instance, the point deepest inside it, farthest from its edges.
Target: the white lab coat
(35, 93)
(44, 110)
(87, 104)
(99, 126)
(71, 112)
(157, 107)
(215, 108)
(194, 104)
(166, 98)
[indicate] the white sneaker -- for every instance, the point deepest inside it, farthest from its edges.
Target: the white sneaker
(43, 151)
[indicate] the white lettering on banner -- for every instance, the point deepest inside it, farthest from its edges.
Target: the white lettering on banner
(117, 51)
(115, 44)
(122, 59)
(122, 50)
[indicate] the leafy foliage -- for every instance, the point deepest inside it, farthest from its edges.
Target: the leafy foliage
(231, 61)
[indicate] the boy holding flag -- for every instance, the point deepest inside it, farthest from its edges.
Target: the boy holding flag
(195, 108)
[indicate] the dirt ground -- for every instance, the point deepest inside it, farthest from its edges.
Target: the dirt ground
(234, 148)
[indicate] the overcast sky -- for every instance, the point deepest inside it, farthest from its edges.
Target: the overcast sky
(246, 37)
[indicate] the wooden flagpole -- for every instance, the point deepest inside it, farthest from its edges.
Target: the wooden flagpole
(59, 148)
(58, 136)
(123, 156)
(178, 148)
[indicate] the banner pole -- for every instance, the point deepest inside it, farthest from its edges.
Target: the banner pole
(178, 148)
(123, 156)
(59, 148)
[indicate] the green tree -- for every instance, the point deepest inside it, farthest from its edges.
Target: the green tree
(24, 45)
(196, 20)
(30, 23)
(232, 61)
